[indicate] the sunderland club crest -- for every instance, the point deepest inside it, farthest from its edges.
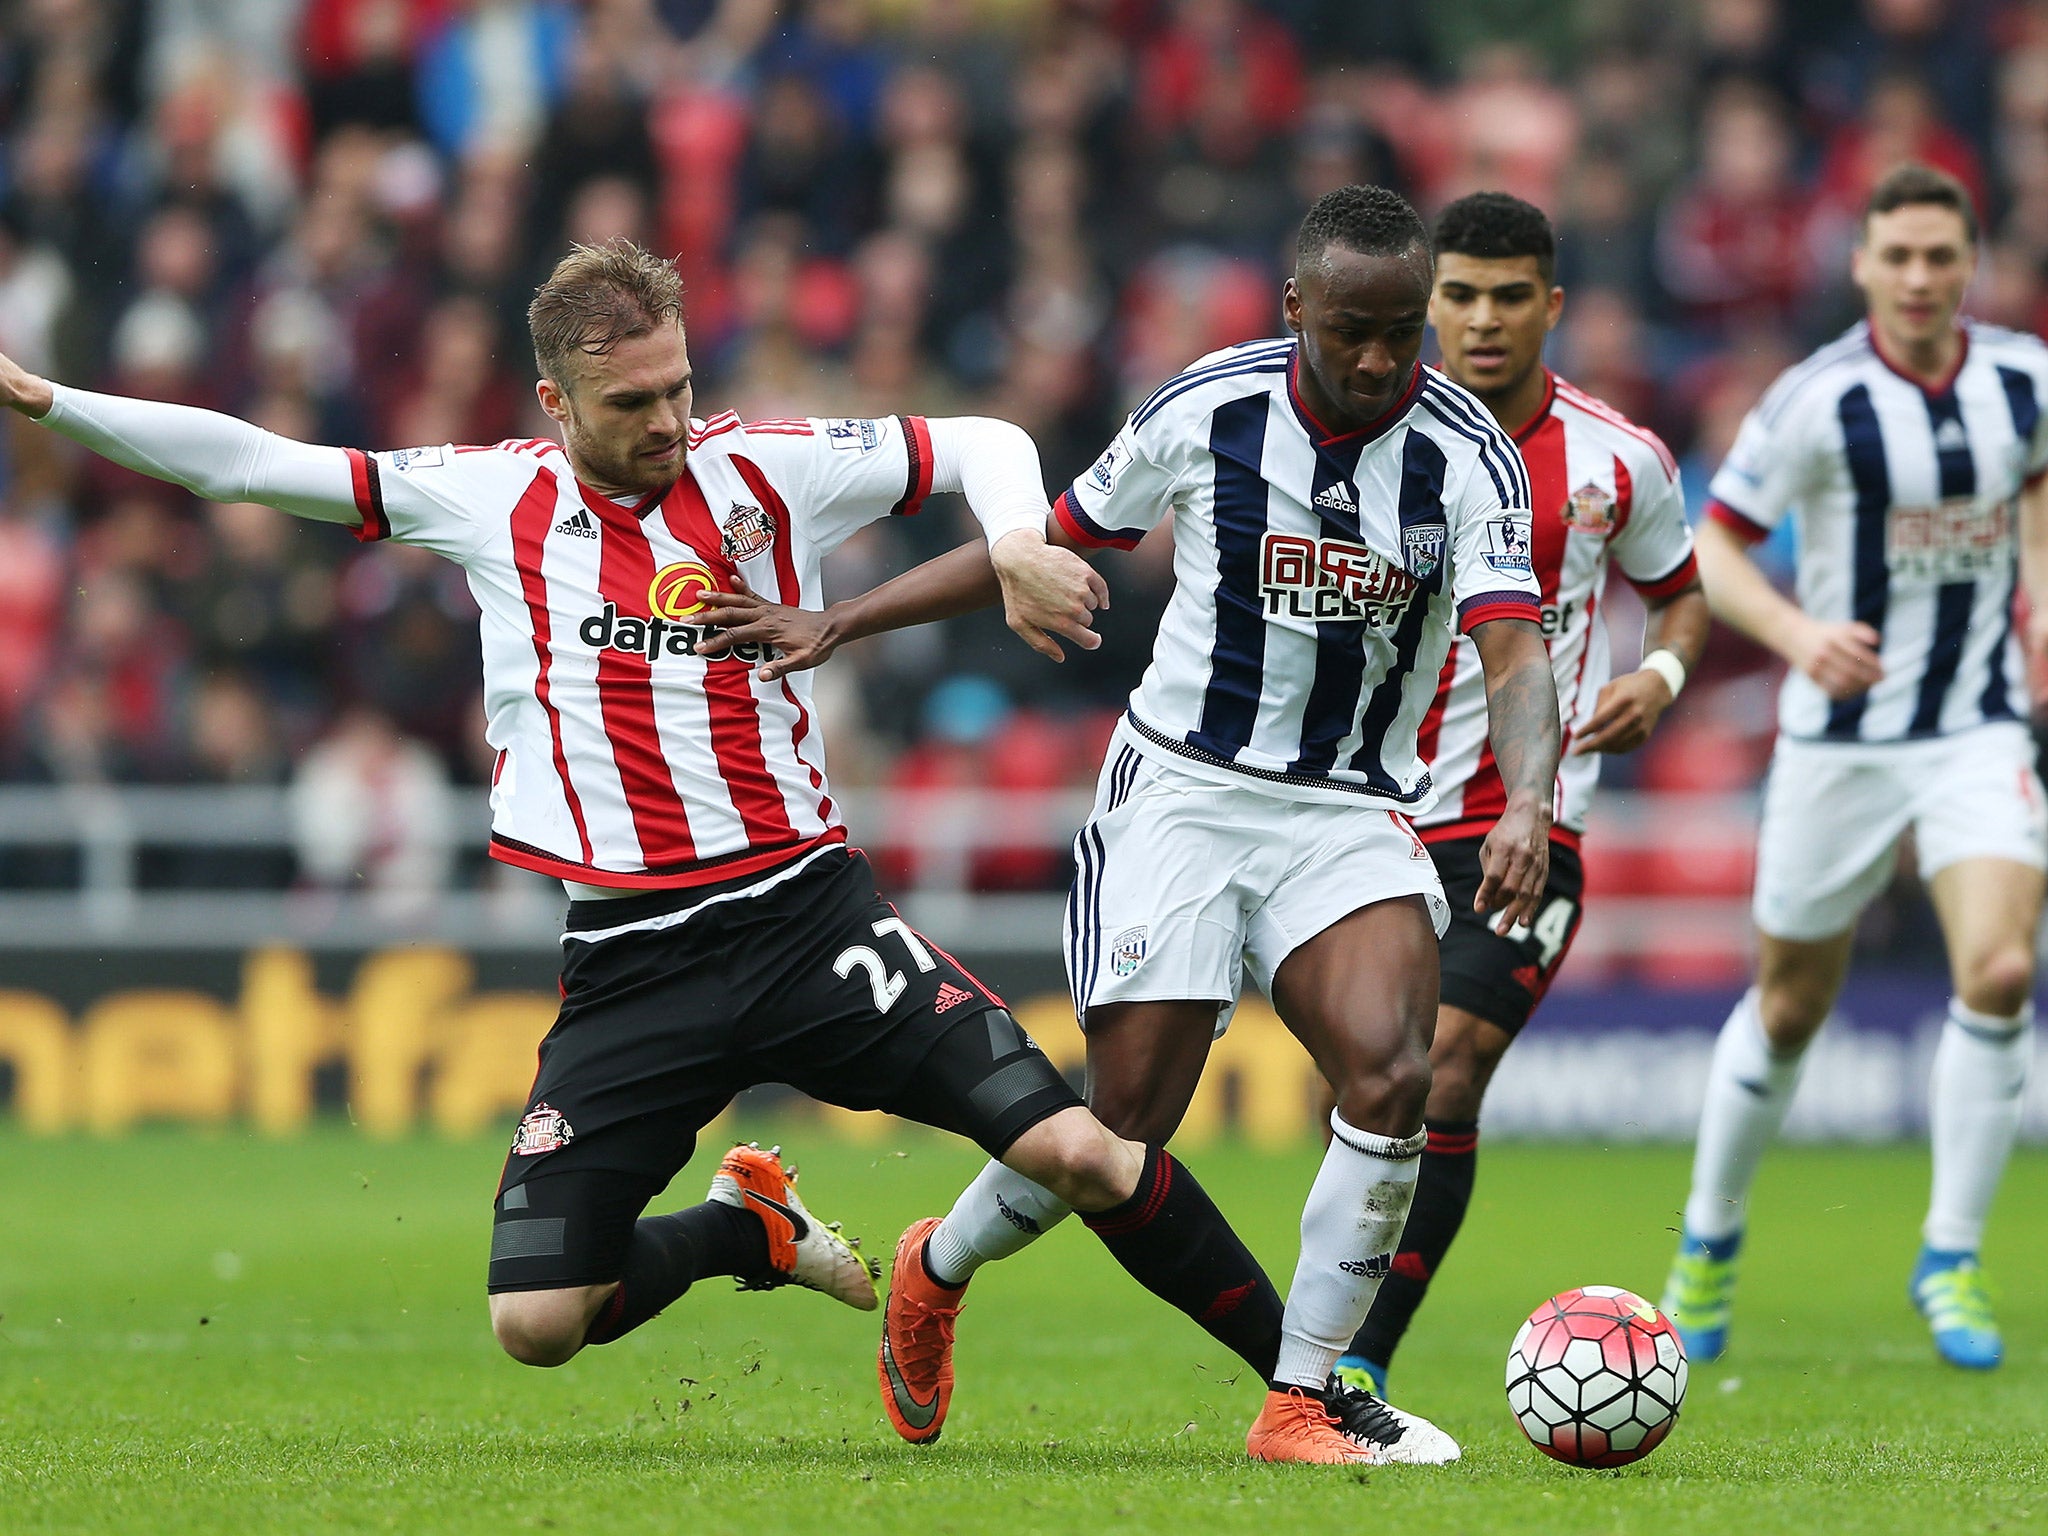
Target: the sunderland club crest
(544, 1129)
(748, 531)
(1590, 510)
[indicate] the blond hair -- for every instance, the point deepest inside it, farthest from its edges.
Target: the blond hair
(597, 297)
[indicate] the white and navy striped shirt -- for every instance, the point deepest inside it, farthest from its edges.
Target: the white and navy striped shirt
(1319, 574)
(1904, 499)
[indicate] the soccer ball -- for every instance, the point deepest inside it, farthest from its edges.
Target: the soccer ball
(1596, 1377)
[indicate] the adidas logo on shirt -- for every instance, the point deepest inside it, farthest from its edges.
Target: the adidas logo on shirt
(1950, 435)
(578, 526)
(950, 996)
(1337, 499)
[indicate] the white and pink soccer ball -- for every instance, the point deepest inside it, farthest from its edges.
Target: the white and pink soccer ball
(1596, 1377)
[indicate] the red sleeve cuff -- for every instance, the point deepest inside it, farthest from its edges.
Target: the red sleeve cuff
(1747, 529)
(917, 447)
(1687, 573)
(369, 494)
(1488, 606)
(1083, 530)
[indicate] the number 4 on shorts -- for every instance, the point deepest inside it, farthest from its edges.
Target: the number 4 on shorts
(1552, 927)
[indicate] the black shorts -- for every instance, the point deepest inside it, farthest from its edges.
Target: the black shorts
(1503, 979)
(814, 981)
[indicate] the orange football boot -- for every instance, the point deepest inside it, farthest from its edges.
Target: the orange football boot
(1295, 1426)
(915, 1361)
(802, 1250)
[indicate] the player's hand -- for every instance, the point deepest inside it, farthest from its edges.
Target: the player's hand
(1625, 713)
(1514, 863)
(803, 638)
(1841, 658)
(22, 391)
(1048, 591)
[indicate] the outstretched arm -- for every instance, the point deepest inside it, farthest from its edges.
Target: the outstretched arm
(1521, 712)
(960, 581)
(216, 457)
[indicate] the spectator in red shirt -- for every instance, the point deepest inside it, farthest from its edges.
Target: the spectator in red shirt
(1900, 121)
(1206, 44)
(1732, 245)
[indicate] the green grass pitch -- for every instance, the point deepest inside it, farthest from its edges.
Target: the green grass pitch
(228, 1335)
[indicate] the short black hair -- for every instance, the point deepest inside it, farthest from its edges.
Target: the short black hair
(1494, 225)
(1372, 221)
(1910, 184)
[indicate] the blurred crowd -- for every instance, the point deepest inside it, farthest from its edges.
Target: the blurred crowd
(327, 216)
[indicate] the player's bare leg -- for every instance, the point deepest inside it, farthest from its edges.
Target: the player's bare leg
(1145, 1061)
(1797, 982)
(547, 1327)
(1079, 1159)
(751, 1225)
(1749, 1087)
(1463, 1057)
(1989, 910)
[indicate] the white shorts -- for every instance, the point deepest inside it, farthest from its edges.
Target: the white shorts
(1181, 883)
(1833, 816)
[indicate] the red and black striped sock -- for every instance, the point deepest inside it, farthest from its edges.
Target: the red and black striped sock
(1176, 1244)
(1443, 1191)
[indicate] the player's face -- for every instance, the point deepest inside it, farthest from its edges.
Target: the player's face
(1360, 320)
(626, 416)
(1491, 315)
(1913, 266)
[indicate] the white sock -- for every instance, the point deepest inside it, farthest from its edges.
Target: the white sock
(1350, 1228)
(1749, 1088)
(1973, 1113)
(999, 1214)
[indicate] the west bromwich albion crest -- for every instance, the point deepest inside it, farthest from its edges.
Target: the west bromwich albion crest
(1590, 510)
(748, 531)
(1422, 549)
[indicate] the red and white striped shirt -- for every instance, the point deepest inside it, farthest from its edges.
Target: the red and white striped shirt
(1603, 487)
(626, 757)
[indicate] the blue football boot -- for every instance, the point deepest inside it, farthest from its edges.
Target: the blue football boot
(1949, 1290)
(1699, 1296)
(1362, 1375)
